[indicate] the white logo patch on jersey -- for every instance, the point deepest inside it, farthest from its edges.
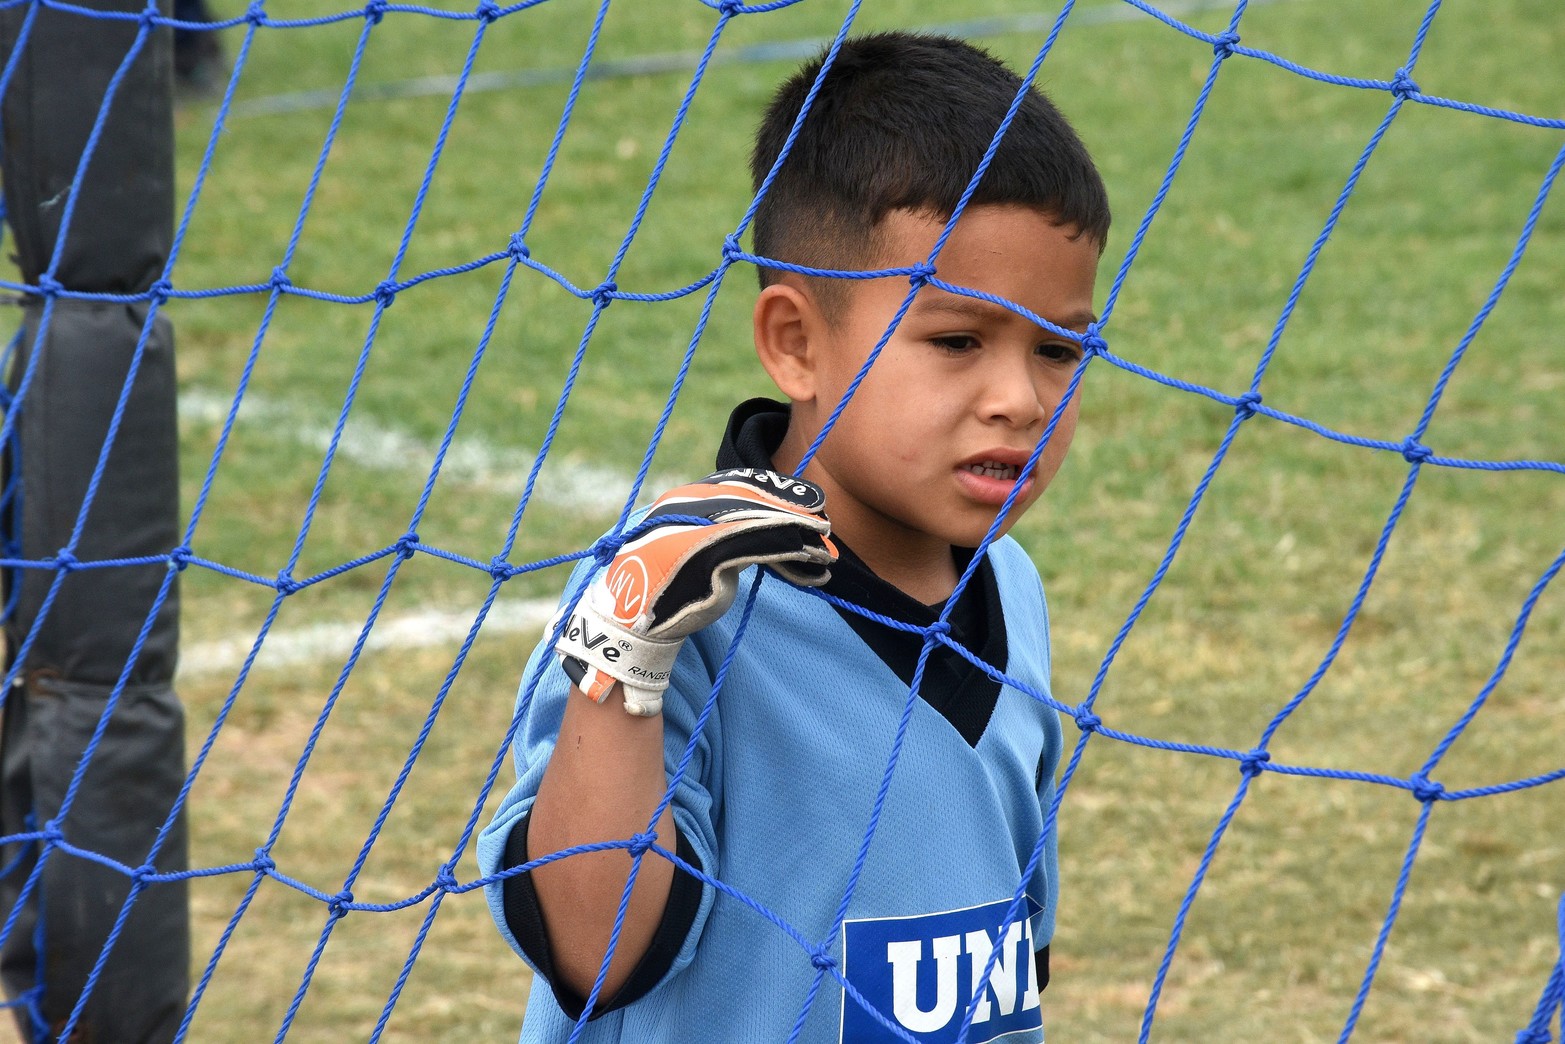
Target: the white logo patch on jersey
(921, 973)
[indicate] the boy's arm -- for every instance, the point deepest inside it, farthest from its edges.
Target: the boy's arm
(545, 695)
(606, 774)
(604, 780)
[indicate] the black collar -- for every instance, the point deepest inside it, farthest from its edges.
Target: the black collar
(952, 685)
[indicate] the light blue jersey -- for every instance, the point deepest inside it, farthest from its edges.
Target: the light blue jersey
(776, 803)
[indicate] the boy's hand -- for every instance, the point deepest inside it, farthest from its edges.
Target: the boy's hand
(676, 578)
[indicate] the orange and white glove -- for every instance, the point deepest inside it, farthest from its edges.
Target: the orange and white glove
(682, 574)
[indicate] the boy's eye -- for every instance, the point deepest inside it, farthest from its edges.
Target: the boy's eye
(1060, 351)
(955, 342)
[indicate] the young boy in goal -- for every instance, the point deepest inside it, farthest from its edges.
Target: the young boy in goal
(775, 803)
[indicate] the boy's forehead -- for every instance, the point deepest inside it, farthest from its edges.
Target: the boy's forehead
(901, 230)
(935, 302)
(1014, 254)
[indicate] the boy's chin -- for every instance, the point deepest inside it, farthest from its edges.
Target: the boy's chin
(973, 535)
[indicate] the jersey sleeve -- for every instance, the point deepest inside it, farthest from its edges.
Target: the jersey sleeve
(540, 708)
(1045, 886)
(1046, 882)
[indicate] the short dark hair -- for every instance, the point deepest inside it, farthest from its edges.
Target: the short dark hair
(901, 123)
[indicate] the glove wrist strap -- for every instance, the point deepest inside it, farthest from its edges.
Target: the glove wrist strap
(608, 652)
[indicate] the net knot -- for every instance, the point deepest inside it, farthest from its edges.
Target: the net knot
(517, 247)
(1254, 762)
(822, 960)
(407, 544)
(731, 248)
(605, 549)
(922, 273)
(285, 583)
(1415, 452)
(48, 286)
(262, 863)
(52, 834)
(149, 15)
(143, 873)
(488, 11)
(375, 10)
(1426, 789)
(446, 880)
(385, 293)
(729, 8)
(604, 293)
(66, 562)
(179, 558)
(279, 280)
(340, 903)
(1092, 342)
(939, 629)
(1223, 45)
(1245, 405)
(1087, 721)
(1402, 85)
(158, 293)
(255, 14)
(500, 569)
(640, 843)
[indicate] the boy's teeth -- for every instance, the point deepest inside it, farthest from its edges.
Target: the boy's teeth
(991, 469)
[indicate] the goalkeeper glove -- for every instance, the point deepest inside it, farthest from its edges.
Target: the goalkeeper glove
(681, 575)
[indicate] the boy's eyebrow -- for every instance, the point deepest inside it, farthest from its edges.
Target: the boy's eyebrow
(965, 307)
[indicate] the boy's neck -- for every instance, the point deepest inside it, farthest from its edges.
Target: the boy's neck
(928, 578)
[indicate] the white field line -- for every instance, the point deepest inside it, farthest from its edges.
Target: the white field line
(471, 460)
(325, 641)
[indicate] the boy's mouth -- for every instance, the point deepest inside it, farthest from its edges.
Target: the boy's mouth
(994, 469)
(993, 475)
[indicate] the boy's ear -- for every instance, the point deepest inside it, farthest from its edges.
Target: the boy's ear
(787, 328)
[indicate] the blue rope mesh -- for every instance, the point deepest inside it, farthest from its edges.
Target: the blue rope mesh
(513, 254)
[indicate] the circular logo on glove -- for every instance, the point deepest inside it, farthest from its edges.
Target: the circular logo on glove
(627, 583)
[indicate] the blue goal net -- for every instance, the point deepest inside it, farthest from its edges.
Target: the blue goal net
(457, 288)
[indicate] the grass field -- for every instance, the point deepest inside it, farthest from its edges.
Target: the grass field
(1279, 937)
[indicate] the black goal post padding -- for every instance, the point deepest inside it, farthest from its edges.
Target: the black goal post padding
(71, 378)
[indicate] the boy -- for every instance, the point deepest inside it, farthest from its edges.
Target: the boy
(775, 800)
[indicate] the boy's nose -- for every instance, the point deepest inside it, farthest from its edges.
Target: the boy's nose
(1010, 397)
